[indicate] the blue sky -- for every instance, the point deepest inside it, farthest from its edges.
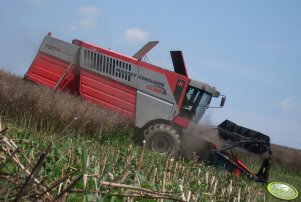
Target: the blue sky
(249, 50)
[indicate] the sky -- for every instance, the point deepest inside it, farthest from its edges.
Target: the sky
(249, 50)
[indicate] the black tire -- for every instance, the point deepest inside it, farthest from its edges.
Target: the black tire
(138, 136)
(162, 138)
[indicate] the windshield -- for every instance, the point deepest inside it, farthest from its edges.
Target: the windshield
(195, 102)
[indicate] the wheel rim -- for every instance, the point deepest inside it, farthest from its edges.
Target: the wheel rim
(161, 144)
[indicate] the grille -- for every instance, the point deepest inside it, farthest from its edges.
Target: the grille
(107, 65)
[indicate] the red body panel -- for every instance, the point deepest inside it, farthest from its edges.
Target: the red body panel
(51, 71)
(241, 164)
(171, 76)
(108, 93)
(183, 122)
(47, 71)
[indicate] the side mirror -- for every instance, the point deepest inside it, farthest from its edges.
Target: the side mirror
(223, 101)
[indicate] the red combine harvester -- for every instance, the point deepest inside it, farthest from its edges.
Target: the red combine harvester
(161, 103)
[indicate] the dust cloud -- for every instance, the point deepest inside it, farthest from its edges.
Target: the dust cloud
(199, 142)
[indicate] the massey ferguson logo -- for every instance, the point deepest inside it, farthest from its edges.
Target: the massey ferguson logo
(156, 89)
(179, 89)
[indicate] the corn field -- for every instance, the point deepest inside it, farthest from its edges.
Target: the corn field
(71, 170)
(57, 147)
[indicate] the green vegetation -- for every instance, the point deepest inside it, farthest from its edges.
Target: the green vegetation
(115, 160)
(93, 158)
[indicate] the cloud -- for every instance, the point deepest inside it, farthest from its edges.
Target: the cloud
(89, 11)
(88, 18)
(134, 35)
(89, 15)
(290, 105)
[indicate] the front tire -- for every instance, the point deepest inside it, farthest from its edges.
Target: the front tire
(162, 138)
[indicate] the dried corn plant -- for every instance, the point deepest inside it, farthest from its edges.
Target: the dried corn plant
(69, 170)
(41, 108)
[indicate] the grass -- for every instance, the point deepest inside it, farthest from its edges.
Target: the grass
(99, 146)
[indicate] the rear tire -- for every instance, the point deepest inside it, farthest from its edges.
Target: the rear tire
(162, 138)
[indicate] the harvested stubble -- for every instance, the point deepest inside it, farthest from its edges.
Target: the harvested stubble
(166, 179)
(125, 174)
(21, 176)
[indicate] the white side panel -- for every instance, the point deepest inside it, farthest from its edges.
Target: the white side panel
(149, 108)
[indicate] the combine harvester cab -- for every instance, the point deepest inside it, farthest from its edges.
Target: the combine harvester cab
(161, 103)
